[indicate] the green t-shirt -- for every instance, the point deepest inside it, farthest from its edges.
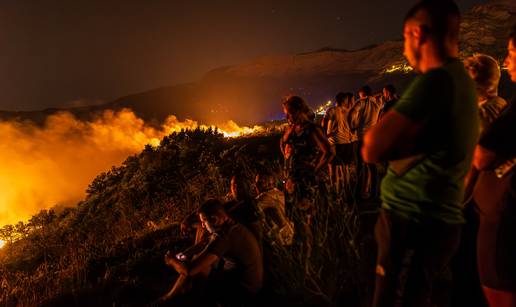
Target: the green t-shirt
(445, 101)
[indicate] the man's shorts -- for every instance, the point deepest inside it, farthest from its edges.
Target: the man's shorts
(345, 153)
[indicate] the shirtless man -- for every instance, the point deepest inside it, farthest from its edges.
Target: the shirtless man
(241, 275)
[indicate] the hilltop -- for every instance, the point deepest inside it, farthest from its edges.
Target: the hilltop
(249, 93)
(108, 251)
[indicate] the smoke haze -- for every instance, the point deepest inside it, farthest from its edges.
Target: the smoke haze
(42, 167)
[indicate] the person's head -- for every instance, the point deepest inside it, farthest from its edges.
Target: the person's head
(212, 215)
(364, 91)
(484, 70)
(510, 60)
(296, 110)
(263, 181)
(340, 99)
(388, 91)
(240, 187)
(431, 31)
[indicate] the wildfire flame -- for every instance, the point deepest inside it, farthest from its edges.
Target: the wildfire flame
(2, 243)
(229, 129)
(53, 164)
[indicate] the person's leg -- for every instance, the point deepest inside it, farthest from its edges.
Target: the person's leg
(467, 290)
(390, 241)
(361, 169)
(409, 258)
(435, 243)
(498, 298)
(339, 177)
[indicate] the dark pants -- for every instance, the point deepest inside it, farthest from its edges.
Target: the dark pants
(467, 290)
(410, 258)
(366, 174)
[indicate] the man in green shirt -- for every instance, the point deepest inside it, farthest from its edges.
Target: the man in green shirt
(428, 138)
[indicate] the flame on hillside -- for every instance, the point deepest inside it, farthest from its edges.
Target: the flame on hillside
(2, 243)
(53, 165)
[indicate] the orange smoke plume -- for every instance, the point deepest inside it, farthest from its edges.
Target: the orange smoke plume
(52, 165)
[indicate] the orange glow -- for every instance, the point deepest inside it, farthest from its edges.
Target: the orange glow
(52, 165)
(2, 243)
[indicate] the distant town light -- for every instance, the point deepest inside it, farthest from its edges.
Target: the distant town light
(321, 110)
(403, 68)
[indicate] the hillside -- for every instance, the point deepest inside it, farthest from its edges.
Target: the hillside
(108, 251)
(249, 93)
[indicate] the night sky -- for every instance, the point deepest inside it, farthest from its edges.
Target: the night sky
(71, 53)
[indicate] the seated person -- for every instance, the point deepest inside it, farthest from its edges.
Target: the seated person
(241, 275)
(271, 209)
(241, 206)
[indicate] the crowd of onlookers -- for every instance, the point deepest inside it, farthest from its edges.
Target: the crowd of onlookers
(446, 152)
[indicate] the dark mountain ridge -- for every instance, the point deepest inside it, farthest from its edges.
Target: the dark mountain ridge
(250, 93)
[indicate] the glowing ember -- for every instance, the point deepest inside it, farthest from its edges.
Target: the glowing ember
(2, 243)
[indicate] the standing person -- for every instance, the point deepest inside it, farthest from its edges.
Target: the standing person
(428, 137)
(341, 137)
(240, 205)
(389, 98)
(307, 152)
(495, 196)
(367, 117)
(485, 71)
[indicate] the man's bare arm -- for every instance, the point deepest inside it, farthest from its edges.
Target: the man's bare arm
(327, 151)
(199, 265)
(391, 139)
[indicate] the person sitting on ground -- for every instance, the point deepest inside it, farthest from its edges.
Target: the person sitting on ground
(241, 275)
(242, 206)
(389, 98)
(271, 207)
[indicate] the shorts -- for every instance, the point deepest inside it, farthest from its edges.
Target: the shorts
(496, 250)
(345, 153)
(410, 258)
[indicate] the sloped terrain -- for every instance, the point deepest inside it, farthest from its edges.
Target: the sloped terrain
(109, 249)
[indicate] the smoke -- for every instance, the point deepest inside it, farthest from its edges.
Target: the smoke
(52, 165)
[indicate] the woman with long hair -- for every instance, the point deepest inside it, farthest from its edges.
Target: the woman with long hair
(307, 152)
